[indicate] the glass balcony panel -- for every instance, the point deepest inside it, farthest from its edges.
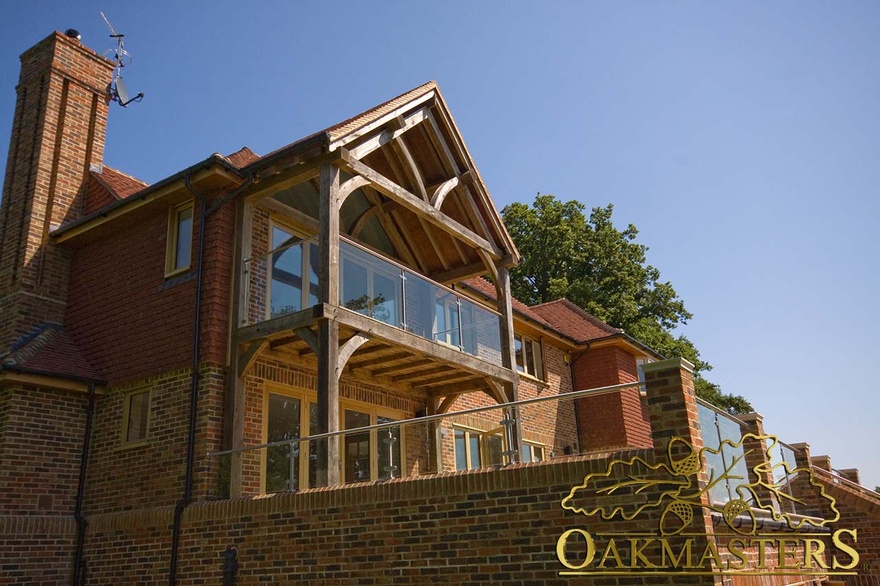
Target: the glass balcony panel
(282, 462)
(370, 286)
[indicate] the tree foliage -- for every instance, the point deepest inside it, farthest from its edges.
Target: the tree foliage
(604, 270)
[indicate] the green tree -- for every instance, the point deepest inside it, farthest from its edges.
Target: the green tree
(604, 270)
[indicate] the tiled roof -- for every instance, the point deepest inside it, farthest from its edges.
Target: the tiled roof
(561, 315)
(339, 130)
(119, 183)
(243, 157)
(487, 289)
(574, 322)
(47, 350)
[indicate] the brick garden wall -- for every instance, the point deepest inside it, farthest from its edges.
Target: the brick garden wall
(475, 527)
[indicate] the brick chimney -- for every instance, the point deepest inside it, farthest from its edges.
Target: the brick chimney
(58, 131)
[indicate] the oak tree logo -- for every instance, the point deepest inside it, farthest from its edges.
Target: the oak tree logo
(633, 486)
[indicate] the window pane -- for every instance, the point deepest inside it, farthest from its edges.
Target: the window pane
(287, 268)
(474, 445)
(356, 447)
(460, 450)
(494, 449)
(138, 412)
(527, 453)
(518, 353)
(389, 450)
(530, 357)
(184, 238)
(314, 270)
(385, 296)
(537, 453)
(282, 462)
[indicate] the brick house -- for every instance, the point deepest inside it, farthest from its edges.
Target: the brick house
(162, 345)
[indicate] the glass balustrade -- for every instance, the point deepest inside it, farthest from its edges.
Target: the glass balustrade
(286, 281)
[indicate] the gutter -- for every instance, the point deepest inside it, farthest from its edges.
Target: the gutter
(204, 213)
(141, 197)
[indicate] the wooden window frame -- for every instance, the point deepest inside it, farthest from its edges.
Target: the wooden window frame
(171, 261)
(125, 432)
(537, 357)
(305, 397)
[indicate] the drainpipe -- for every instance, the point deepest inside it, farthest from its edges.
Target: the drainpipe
(204, 213)
(78, 564)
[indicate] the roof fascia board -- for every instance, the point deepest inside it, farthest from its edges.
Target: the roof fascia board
(625, 340)
(214, 165)
(8, 378)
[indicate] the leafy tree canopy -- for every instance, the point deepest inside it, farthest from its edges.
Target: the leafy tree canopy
(604, 270)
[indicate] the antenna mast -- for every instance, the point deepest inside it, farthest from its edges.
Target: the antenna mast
(117, 90)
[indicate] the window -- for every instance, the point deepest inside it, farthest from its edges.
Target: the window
(532, 452)
(478, 448)
(529, 357)
(290, 257)
(136, 418)
(179, 248)
(446, 320)
(370, 455)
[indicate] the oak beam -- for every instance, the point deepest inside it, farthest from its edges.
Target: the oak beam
(461, 273)
(381, 360)
(399, 367)
(419, 345)
(418, 206)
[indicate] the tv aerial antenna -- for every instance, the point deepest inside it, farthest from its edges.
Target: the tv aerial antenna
(117, 90)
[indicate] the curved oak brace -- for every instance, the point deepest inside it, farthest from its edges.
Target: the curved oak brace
(412, 168)
(497, 392)
(247, 359)
(442, 191)
(447, 403)
(350, 347)
(350, 186)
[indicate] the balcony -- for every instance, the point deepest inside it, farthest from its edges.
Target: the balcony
(282, 295)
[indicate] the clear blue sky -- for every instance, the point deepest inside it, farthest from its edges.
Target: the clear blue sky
(742, 139)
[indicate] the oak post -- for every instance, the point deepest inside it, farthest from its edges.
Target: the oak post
(328, 329)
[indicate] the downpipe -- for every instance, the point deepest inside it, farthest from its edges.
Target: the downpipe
(204, 213)
(79, 574)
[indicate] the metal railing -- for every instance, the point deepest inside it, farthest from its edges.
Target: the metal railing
(285, 280)
(472, 438)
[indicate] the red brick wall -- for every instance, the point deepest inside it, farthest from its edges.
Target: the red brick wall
(41, 438)
(151, 473)
(125, 317)
(128, 319)
(614, 420)
(58, 130)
